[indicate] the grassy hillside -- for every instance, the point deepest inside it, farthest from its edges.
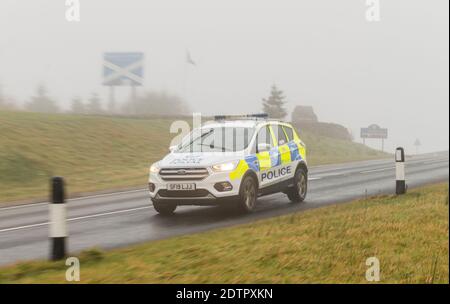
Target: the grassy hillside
(408, 234)
(96, 153)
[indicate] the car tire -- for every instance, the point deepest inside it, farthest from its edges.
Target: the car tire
(297, 193)
(248, 194)
(164, 208)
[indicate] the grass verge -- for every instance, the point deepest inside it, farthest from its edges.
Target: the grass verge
(408, 234)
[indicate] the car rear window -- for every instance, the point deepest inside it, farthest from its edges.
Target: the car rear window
(279, 135)
(289, 132)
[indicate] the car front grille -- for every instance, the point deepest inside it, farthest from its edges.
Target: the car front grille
(183, 174)
(193, 193)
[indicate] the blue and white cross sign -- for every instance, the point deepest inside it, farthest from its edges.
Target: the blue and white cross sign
(123, 69)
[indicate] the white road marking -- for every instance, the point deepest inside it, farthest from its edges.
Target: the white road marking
(76, 218)
(377, 170)
(107, 213)
(314, 178)
(24, 227)
(72, 199)
(434, 161)
(331, 175)
(23, 206)
(106, 194)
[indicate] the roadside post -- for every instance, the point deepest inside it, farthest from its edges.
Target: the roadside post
(400, 187)
(58, 229)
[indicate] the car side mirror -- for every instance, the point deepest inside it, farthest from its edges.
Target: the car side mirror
(263, 147)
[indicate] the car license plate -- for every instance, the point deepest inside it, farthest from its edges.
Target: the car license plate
(181, 187)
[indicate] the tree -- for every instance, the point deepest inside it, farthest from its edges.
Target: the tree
(78, 106)
(156, 103)
(42, 102)
(6, 102)
(94, 106)
(274, 105)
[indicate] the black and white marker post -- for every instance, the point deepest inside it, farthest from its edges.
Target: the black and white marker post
(400, 187)
(58, 229)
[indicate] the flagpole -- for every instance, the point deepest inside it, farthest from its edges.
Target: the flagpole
(185, 79)
(188, 62)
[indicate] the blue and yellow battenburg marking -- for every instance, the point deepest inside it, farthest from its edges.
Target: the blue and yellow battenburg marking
(275, 159)
(265, 160)
(240, 170)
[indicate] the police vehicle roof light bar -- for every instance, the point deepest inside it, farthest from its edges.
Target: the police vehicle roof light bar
(247, 116)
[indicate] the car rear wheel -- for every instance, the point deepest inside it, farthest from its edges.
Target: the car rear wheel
(247, 195)
(298, 192)
(164, 208)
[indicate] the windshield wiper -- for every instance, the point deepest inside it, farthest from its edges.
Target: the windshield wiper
(214, 147)
(196, 138)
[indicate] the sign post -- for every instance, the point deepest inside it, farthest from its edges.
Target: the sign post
(374, 131)
(417, 144)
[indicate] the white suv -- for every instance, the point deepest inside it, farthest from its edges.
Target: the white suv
(231, 162)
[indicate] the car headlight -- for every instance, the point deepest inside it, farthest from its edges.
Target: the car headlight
(154, 168)
(228, 166)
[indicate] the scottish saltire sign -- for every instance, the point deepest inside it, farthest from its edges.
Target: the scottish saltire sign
(123, 69)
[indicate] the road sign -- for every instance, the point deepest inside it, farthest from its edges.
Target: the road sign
(123, 69)
(417, 143)
(374, 131)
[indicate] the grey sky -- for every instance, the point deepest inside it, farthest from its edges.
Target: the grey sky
(320, 52)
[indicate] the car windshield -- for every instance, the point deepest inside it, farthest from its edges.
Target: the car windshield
(224, 139)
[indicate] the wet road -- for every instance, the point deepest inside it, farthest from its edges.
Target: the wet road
(119, 219)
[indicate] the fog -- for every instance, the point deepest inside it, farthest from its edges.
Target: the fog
(323, 53)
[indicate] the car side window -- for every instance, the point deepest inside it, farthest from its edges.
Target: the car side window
(289, 133)
(279, 135)
(264, 137)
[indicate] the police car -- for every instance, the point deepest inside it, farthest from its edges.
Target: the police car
(231, 160)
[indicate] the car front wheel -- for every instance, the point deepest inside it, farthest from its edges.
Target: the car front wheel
(247, 195)
(164, 208)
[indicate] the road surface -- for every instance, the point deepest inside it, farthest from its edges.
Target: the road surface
(120, 219)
